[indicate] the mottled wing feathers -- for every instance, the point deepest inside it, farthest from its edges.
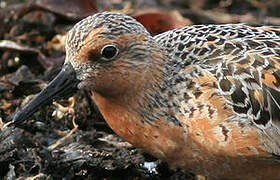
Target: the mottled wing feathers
(245, 60)
(255, 75)
(273, 101)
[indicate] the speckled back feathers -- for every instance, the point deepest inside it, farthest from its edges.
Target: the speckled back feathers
(236, 55)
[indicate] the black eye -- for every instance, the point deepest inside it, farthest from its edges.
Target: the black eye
(109, 52)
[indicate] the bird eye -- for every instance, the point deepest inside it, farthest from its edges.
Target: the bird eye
(109, 51)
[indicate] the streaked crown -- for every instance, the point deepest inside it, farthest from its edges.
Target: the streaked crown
(114, 24)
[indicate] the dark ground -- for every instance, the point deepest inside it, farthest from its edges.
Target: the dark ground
(69, 139)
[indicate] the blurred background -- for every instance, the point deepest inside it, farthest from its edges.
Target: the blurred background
(69, 139)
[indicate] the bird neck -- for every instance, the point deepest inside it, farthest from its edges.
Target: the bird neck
(131, 124)
(142, 115)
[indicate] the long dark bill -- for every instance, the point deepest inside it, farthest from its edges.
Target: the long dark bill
(64, 84)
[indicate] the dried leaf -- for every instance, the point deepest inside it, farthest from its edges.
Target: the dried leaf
(71, 9)
(11, 45)
(157, 21)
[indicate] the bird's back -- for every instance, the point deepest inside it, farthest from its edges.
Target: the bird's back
(224, 81)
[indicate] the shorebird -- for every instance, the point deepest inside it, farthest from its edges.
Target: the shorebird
(204, 98)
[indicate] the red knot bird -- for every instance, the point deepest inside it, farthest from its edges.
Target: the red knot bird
(204, 98)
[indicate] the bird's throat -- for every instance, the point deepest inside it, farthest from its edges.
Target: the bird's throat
(152, 138)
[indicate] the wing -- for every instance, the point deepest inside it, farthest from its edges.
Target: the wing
(245, 61)
(248, 75)
(250, 81)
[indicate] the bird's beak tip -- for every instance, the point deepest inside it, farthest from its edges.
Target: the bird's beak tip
(64, 84)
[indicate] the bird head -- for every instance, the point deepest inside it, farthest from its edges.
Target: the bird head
(108, 53)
